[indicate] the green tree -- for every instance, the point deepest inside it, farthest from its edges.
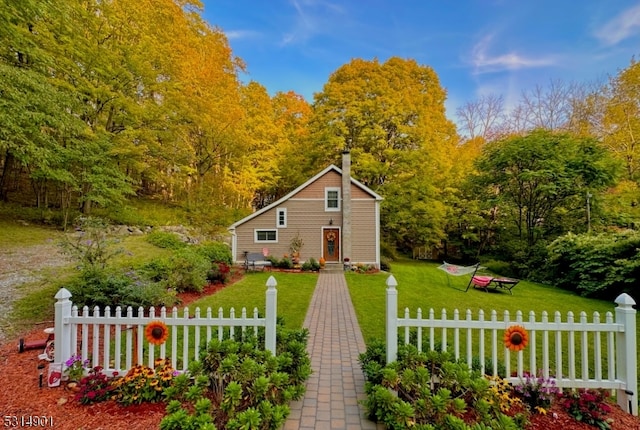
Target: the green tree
(537, 183)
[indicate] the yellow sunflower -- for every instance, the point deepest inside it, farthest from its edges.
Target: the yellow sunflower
(516, 338)
(156, 332)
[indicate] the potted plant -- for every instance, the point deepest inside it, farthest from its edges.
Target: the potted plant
(295, 245)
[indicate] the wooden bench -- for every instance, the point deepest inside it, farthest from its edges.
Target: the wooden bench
(255, 260)
(486, 282)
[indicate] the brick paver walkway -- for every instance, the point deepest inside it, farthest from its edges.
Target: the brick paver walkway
(337, 383)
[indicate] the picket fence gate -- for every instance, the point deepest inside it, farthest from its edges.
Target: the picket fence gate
(116, 342)
(549, 360)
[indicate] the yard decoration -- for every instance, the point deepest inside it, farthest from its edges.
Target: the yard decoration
(516, 338)
(156, 332)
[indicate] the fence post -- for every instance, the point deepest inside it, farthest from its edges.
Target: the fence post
(392, 319)
(271, 315)
(62, 331)
(626, 354)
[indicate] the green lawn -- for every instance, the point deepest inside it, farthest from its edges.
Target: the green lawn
(294, 295)
(422, 285)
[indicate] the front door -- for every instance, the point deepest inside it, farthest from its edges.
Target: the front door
(331, 244)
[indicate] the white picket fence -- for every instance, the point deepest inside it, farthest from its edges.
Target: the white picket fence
(581, 354)
(116, 342)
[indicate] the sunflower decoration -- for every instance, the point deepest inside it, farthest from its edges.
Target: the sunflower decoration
(156, 332)
(516, 338)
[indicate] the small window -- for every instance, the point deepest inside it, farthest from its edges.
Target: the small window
(332, 199)
(281, 217)
(266, 235)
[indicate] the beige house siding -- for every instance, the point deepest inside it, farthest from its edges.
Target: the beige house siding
(306, 215)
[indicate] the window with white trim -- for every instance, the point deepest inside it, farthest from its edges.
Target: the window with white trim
(265, 236)
(281, 217)
(332, 199)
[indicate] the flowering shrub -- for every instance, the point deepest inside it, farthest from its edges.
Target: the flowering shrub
(502, 394)
(588, 406)
(144, 384)
(537, 392)
(219, 272)
(75, 366)
(93, 388)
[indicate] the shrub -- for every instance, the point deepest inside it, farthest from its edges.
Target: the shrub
(143, 384)
(90, 245)
(114, 288)
(432, 391)
(385, 264)
(217, 252)
(285, 263)
(602, 265)
(238, 385)
(94, 388)
(588, 406)
(156, 270)
(165, 240)
(311, 265)
(537, 392)
(188, 270)
(219, 272)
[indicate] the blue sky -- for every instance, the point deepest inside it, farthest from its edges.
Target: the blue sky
(477, 47)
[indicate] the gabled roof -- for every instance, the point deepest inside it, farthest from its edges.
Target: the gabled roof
(300, 188)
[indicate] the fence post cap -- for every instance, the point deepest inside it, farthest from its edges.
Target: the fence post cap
(271, 282)
(391, 282)
(63, 294)
(625, 300)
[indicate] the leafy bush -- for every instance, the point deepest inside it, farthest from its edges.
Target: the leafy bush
(90, 246)
(189, 270)
(156, 270)
(603, 265)
(94, 388)
(239, 385)
(433, 392)
(113, 288)
(385, 264)
(219, 272)
(311, 265)
(165, 240)
(588, 406)
(286, 263)
(218, 252)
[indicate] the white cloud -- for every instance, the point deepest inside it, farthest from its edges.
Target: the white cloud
(622, 26)
(312, 17)
(241, 34)
(486, 63)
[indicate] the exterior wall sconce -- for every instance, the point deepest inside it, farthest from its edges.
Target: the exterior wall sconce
(330, 221)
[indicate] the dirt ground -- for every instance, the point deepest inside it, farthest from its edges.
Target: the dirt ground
(29, 265)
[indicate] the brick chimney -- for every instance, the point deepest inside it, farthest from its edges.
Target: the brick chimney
(346, 204)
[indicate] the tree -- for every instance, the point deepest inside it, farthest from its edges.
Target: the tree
(392, 118)
(537, 183)
(481, 118)
(622, 120)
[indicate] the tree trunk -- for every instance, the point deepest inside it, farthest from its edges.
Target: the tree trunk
(4, 178)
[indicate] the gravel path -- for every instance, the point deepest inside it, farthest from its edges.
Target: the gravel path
(25, 265)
